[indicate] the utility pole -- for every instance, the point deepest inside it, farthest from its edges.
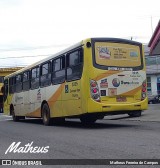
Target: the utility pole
(151, 25)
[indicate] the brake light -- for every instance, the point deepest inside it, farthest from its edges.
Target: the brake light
(93, 84)
(94, 90)
(144, 84)
(144, 90)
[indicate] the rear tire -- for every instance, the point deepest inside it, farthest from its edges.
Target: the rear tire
(47, 120)
(135, 113)
(14, 117)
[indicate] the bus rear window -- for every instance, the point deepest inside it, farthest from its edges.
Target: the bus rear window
(117, 54)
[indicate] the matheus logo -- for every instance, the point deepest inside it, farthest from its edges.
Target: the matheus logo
(28, 148)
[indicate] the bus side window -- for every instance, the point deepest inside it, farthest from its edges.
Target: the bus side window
(18, 81)
(58, 70)
(11, 85)
(26, 80)
(45, 79)
(74, 65)
(1, 79)
(35, 78)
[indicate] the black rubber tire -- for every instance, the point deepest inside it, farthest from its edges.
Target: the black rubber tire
(14, 117)
(135, 113)
(47, 120)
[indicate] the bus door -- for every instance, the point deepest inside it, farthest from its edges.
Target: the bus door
(35, 102)
(26, 92)
(26, 102)
(34, 92)
(71, 95)
(18, 96)
(6, 96)
(71, 98)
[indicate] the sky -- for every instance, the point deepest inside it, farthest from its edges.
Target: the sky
(31, 30)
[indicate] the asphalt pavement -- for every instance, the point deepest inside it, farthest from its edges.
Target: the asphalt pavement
(152, 114)
(115, 137)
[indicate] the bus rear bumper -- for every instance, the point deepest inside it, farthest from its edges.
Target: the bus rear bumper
(94, 107)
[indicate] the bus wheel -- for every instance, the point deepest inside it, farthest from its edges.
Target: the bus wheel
(135, 113)
(46, 115)
(87, 119)
(14, 117)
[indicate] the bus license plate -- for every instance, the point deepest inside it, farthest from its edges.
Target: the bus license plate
(121, 99)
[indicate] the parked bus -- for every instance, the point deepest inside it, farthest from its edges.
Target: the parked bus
(1, 94)
(93, 78)
(3, 73)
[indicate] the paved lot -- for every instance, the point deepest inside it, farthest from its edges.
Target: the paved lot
(117, 137)
(152, 114)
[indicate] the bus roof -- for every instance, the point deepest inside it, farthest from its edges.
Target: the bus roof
(46, 59)
(71, 48)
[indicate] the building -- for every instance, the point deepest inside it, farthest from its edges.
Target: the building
(153, 63)
(154, 42)
(3, 73)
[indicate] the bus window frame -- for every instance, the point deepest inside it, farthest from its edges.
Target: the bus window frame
(70, 67)
(1, 79)
(36, 79)
(12, 85)
(62, 68)
(26, 82)
(45, 79)
(115, 40)
(18, 84)
(6, 89)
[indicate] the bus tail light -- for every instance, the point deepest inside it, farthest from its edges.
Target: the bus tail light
(144, 90)
(94, 91)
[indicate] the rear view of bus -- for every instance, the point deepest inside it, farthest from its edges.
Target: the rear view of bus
(117, 77)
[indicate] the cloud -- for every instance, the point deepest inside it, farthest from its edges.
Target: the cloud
(34, 23)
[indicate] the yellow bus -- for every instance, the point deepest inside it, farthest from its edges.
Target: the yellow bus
(3, 73)
(1, 94)
(91, 79)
